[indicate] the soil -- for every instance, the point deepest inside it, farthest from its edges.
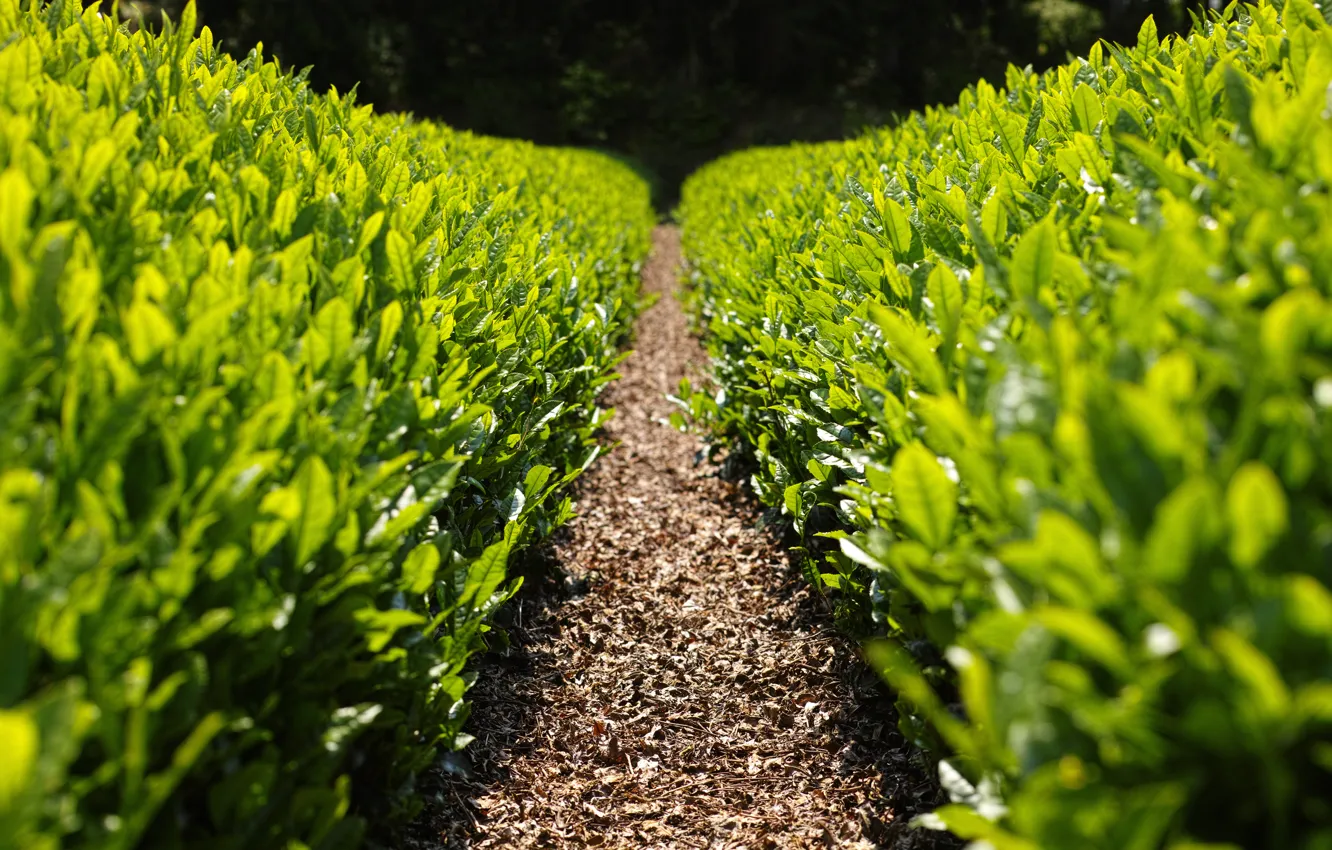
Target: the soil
(672, 680)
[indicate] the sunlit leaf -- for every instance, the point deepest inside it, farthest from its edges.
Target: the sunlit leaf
(1257, 513)
(926, 499)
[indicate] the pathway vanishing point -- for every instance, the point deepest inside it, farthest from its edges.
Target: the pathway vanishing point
(679, 686)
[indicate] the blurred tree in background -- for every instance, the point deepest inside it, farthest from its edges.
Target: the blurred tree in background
(667, 83)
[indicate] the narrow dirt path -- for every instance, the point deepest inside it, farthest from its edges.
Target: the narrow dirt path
(679, 687)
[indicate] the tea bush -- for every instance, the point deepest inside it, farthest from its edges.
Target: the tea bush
(282, 384)
(1053, 367)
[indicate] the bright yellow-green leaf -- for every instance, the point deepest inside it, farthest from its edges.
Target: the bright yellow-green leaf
(19, 741)
(314, 486)
(994, 219)
(284, 213)
(910, 347)
(1089, 634)
(926, 499)
(16, 199)
(20, 73)
(96, 160)
(335, 323)
(418, 571)
(1256, 511)
(390, 321)
(1087, 110)
(898, 227)
(1148, 41)
(1265, 688)
(1032, 268)
(370, 231)
(1153, 421)
(148, 331)
(400, 261)
(1187, 522)
(535, 480)
(278, 509)
(1308, 605)
(946, 294)
(1286, 325)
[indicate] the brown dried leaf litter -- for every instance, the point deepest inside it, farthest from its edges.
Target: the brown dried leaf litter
(680, 687)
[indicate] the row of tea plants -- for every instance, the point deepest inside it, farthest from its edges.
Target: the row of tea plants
(1048, 373)
(282, 385)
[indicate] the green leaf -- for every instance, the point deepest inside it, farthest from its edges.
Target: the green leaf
(20, 744)
(511, 506)
(284, 213)
(16, 200)
(909, 347)
(401, 267)
(1153, 421)
(899, 230)
(160, 786)
(370, 231)
(435, 481)
(1304, 15)
(189, 21)
(1197, 103)
(315, 488)
(382, 626)
(1087, 111)
(545, 414)
(1032, 267)
(1285, 328)
(20, 73)
(1011, 138)
(966, 823)
(946, 295)
(277, 510)
(485, 575)
(347, 723)
(1187, 523)
(148, 331)
(1308, 605)
(1081, 159)
(1148, 41)
(792, 502)
(336, 325)
(896, 667)
(96, 160)
(994, 220)
(535, 480)
(420, 567)
(390, 322)
(1256, 511)
(1261, 679)
(1089, 634)
(926, 499)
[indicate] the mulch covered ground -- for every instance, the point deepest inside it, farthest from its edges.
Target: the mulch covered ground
(672, 681)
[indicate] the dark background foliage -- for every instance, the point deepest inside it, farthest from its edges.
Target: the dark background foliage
(668, 84)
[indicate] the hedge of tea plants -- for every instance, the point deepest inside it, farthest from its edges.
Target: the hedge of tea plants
(1053, 368)
(282, 385)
